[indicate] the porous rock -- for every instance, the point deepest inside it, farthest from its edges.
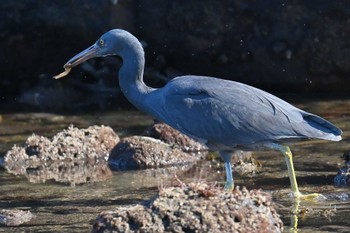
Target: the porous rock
(173, 137)
(72, 156)
(138, 152)
(15, 217)
(195, 208)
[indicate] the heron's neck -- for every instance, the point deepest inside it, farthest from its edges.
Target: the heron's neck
(131, 76)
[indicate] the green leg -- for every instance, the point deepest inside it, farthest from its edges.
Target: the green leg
(226, 156)
(294, 216)
(289, 161)
(291, 173)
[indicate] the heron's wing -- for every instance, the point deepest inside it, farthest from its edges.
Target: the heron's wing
(227, 112)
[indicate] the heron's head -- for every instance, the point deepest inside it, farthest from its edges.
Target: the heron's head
(113, 42)
(110, 43)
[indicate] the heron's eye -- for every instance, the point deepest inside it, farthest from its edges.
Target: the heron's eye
(102, 42)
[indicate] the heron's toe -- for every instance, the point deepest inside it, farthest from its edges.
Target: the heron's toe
(312, 197)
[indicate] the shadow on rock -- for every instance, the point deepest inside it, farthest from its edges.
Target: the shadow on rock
(195, 208)
(72, 156)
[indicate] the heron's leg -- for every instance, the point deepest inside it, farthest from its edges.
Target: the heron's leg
(289, 161)
(291, 173)
(290, 166)
(226, 156)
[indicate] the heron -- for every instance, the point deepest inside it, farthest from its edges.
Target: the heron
(225, 115)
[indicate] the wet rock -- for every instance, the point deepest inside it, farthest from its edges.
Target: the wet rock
(72, 156)
(173, 137)
(139, 152)
(309, 211)
(343, 176)
(195, 208)
(15, 217)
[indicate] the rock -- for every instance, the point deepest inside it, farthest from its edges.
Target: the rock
(242, 161)
(15, 217)
(72, 156)
(138, 152)
(28, 27)
(343, 176)
(72, 94)
(195, 208)
(294, 46)
(297, 45)
(212, 169)
(173, 137)
(244, 164)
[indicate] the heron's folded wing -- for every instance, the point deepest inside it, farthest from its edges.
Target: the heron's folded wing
(225, 111)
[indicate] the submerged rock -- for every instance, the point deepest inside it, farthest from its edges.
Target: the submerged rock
(195, 208)
(173, 137)
(343, 176)
(72, 156)
(15, 217)
(139, 152)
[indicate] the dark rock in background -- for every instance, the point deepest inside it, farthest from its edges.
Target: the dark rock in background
(285, 45)
(38, 37)
(275, 45)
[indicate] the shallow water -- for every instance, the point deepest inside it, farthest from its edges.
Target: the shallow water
(61, 207)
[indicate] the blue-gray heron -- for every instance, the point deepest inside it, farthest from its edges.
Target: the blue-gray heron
(225, 115)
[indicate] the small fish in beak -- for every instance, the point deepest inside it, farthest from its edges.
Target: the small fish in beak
(67, 69)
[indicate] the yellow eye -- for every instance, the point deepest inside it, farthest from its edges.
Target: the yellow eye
(102, 42)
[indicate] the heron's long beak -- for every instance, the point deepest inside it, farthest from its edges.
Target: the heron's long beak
(78, 59)
(83, 56)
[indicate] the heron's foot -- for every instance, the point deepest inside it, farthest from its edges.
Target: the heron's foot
(229, 186)
(309, 197)
(312, 197)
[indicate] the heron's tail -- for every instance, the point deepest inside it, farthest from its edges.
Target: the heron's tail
(321, 128)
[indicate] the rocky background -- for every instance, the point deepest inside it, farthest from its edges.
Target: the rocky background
(280, 46)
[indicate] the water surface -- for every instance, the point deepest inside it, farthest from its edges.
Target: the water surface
(60, 207)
